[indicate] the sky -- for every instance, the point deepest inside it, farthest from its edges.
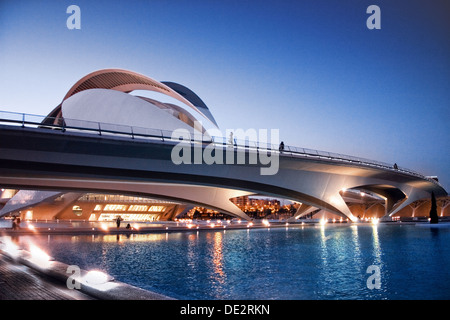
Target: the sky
(312, 68)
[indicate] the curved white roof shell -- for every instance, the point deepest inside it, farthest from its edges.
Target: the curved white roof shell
(117, 109)
(127, 81)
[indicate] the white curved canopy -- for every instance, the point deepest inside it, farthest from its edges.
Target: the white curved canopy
(127, 81)
(118, 109)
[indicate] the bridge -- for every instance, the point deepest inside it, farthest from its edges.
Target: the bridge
(39, 154)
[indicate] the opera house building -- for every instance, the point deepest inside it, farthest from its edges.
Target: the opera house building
(104, 97)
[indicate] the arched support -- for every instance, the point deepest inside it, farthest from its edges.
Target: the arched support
(331, 202)
(302, 210)
(390, 194)
(412, 195)
(415, 205)
(211, 197)
(341, 208)
(443, 203)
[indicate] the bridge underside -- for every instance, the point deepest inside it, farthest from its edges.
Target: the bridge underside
(42, 159)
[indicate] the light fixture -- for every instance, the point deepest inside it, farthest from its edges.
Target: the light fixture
(10, 248)
(39, 257)
(95, 277)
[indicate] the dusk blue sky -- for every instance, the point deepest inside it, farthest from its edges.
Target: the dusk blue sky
(309, 68)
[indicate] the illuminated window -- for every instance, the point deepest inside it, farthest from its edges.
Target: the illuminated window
(98, 207)
(77, 210)
(29, 215)
(138, 208)
(115, 207)
(156, 208)
(128, 216)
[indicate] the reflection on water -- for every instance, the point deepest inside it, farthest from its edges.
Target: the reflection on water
(326, 262)
(218, 257)
(376, 246)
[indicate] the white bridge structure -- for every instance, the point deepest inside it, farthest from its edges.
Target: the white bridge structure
(101, 138)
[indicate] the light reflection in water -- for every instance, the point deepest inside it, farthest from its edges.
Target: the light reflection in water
(325, 260)
(376, 245)
(191, 252)
(323, 245)
(218, 257)
(355, 241)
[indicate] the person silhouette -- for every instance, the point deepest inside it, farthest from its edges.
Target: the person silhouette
(230, 140)
(118, 220)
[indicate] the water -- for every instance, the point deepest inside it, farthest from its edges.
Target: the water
(327, 262)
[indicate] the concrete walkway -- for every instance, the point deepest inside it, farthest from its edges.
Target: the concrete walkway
(19, 282)
(85, 227)
(28, 275)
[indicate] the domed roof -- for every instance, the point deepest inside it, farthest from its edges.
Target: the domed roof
(127, 81)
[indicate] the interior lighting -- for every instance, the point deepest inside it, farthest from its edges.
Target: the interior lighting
(115, 207)
(323, 221)
(156, 209)
(138, 208)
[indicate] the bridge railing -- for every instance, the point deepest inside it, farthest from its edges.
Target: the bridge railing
(108, 129)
